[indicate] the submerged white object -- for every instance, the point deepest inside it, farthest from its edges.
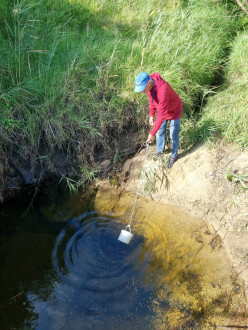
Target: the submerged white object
(126, 236)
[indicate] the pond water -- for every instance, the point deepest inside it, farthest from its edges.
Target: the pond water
(62, 266)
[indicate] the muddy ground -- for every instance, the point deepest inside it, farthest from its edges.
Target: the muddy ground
(206, 182)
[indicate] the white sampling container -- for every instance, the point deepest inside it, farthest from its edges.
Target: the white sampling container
(125, 236)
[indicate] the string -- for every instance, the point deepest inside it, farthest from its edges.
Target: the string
(139, 185)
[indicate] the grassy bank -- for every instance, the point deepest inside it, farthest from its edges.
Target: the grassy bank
(68, 67)
(228, 109)
(225, 115)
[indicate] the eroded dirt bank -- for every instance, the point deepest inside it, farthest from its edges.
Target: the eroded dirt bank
(198, 183)
(21, 171)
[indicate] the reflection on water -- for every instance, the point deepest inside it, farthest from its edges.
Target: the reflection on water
(75, 274)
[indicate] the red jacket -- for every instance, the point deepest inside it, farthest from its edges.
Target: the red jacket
(165, 100)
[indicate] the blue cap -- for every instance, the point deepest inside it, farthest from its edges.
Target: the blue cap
(141, 81)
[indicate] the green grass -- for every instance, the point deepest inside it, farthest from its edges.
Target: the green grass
(68, 67)
(232, 103)
(226, 113)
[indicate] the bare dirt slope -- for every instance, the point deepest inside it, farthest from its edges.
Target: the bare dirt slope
(198, 182)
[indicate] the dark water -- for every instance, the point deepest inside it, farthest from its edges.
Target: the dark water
(62, 266)
(72, 275)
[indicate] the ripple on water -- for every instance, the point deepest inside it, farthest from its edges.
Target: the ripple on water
(100, 280)
(167, 277)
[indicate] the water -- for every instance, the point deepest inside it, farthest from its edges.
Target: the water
(99, 277)
(62, 267)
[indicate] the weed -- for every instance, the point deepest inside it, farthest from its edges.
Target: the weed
(154, 174)
(74, 186)
(242, 179)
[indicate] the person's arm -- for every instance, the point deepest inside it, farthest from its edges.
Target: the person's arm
(163, 105)
(150, 138)
(152, 108)
(152, 111)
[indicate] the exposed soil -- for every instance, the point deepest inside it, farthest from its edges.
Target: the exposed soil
(20, 172)
(199, 183)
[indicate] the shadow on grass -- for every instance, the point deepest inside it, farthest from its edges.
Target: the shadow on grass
(199, 133)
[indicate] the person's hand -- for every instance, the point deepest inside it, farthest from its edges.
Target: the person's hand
(151, 121)
(150, 138)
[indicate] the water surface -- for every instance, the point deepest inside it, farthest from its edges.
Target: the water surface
(62, 266)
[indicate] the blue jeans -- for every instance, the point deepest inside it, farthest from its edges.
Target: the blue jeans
(174, 136)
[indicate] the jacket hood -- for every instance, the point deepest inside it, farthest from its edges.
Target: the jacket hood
(159, 80)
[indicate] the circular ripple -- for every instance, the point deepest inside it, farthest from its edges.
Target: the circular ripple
(100, 275)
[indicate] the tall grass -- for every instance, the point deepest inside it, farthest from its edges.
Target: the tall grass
(68, 67)
(188, 47)
(228, 109)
